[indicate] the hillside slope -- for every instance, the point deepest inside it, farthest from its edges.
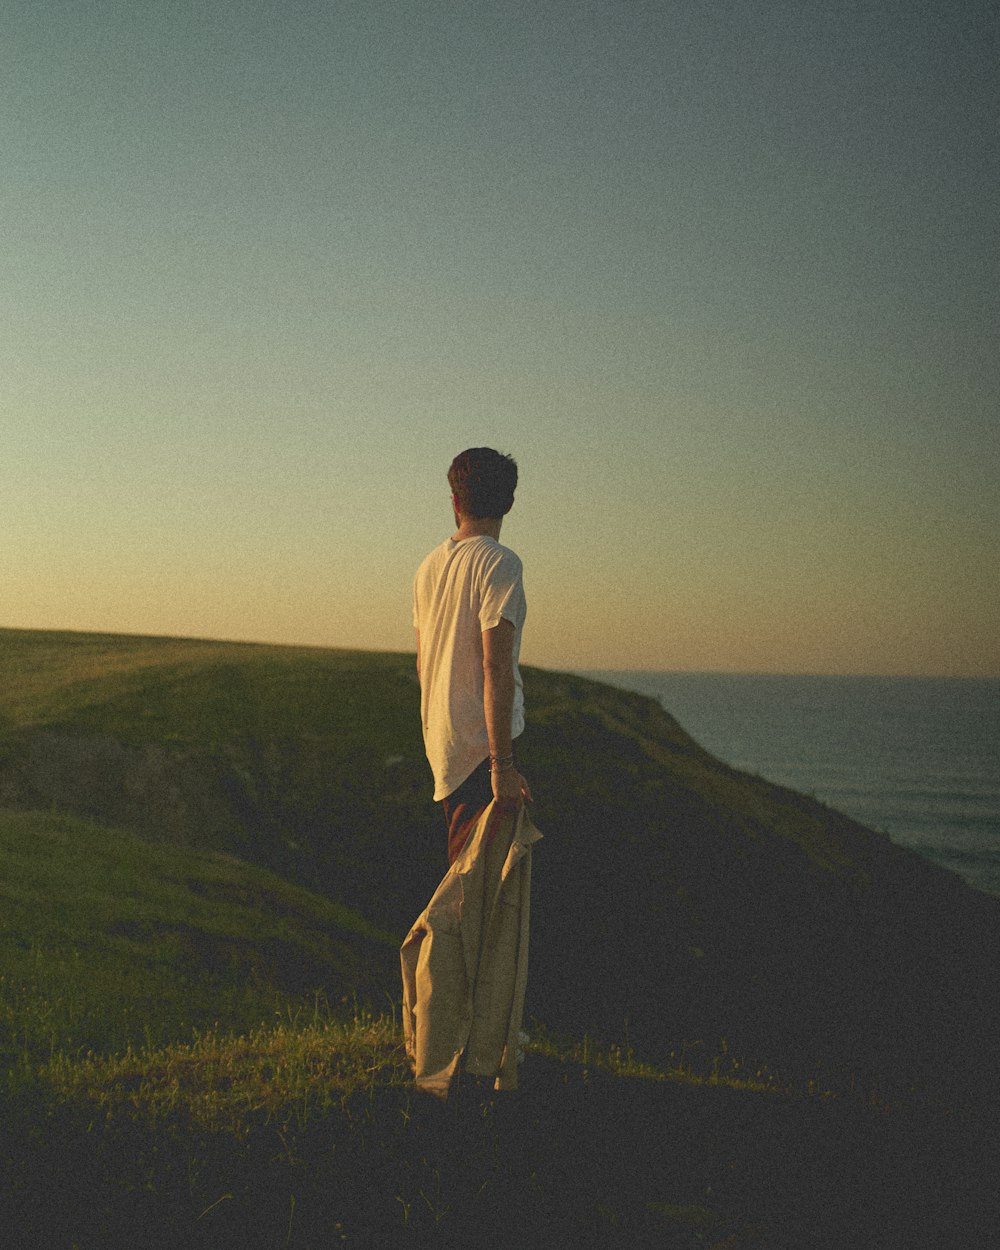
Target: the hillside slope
(108, 941)
(675, 902)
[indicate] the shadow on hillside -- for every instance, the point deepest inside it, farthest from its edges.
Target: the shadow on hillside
(576, 1158)
(673, 899)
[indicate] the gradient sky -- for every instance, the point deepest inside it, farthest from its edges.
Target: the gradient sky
(722, 276)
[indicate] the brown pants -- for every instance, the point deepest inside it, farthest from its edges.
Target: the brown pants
(464, 806)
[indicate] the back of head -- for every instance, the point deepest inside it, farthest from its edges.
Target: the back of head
(483, 482)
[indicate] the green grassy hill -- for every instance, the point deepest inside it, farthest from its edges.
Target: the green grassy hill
(305, 761)
(107, 941)
(208, 854)
(676, 900)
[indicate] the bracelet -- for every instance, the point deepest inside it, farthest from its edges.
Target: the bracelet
(501, 763)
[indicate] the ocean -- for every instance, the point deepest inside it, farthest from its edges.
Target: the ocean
(915, 758)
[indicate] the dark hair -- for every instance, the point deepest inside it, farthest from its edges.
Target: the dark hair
(483, 482)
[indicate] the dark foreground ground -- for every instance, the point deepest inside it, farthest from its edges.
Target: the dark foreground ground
(669, 887)
(576, 1158)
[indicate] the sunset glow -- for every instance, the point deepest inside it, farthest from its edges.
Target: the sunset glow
(721, 278)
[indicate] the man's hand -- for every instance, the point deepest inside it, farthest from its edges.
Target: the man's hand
(510, 789)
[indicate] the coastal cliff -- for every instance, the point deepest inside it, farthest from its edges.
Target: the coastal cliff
(757, 1025)
(677, 902)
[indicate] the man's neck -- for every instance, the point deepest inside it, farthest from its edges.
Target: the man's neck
(475, 527)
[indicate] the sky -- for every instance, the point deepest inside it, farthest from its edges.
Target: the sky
(722, 276)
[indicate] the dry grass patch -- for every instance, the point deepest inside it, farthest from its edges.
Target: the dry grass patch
(289, 1072)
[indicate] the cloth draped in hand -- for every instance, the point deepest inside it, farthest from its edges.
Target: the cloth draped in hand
(465, 960)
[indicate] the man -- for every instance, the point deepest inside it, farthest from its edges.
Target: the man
(468, 611)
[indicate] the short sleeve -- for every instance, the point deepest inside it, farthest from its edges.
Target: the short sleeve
(502, 592)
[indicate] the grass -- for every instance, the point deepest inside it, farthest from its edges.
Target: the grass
(300, 725)
(161, 978)
(184, 692)
(296, 1070)
(308, 762)
(688, 1065)
(108, 941)
(307, 1132)
(320, 1108)
(161, 1066)
(292, 1072)
(199, 1052)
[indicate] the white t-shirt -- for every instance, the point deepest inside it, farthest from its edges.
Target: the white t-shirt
(460, 590)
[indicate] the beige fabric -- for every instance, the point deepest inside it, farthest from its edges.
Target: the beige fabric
(465, 960)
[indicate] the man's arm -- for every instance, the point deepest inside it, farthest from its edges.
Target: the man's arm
(418, 655)
(509, 787)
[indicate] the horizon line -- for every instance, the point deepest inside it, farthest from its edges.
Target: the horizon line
(581, 670)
